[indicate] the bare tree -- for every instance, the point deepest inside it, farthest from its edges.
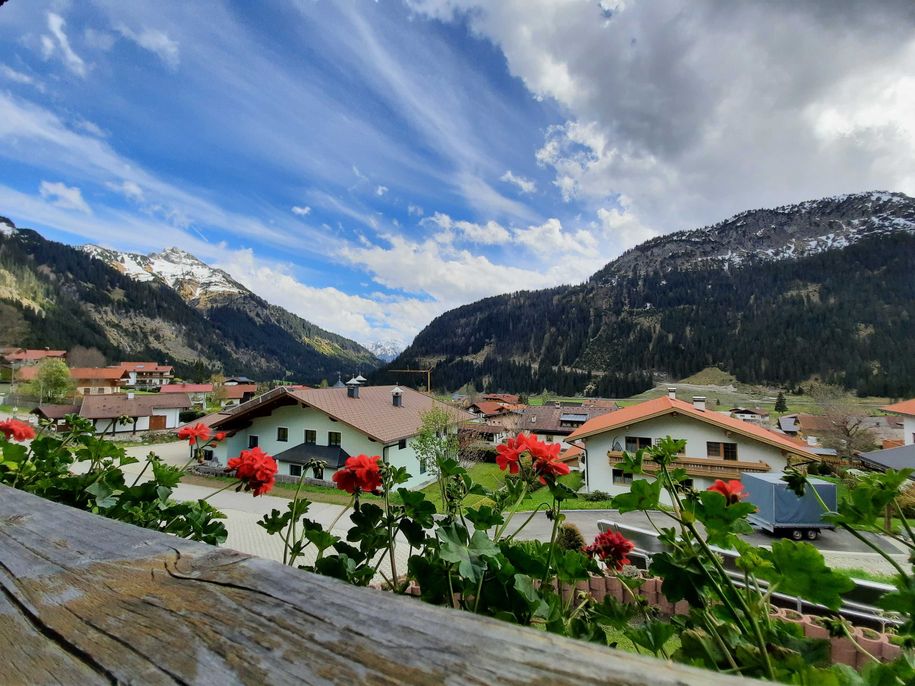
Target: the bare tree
(81, 356)
(846, 430)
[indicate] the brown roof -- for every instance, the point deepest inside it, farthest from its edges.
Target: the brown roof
(120, 405)
(502, 398)
(373, 412)
(664, 405)
(80, 373)
(145, 367)
(547, 419)
(905, 407)
(238, 391)
(55, 411)
(24, 355)
(490, 408)
(186, 388)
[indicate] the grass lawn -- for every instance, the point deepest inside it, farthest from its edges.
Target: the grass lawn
(318, 494)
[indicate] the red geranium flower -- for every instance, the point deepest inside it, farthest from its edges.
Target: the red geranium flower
(732, 490)
(509, 453)
(220, 436)
(359, 474)
(546, 460)
(612, 548)
(194, 433)
(256, 469)
(17, 430)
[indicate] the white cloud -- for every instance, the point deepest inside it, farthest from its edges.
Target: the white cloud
(156, 42)
(101, 40)
(129, 189)
(623, 227)
(381, 190)
(63, 196)
(415, 210)
(73, 61)
(551, 242)
(523, 184)
(490, 233)
(15, 76)
(303, 211)
(91, 127)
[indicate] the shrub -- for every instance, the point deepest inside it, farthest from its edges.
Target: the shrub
(569, 537)
(596, 496)
(186, 416)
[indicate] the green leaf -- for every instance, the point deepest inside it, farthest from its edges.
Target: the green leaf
(720, 519)
(652, 636)
(467, 555)
(105, 496)
(642, 495)
(484, 517)
(797, 568)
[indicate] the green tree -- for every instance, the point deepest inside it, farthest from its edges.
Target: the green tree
(52, 382)
(436, 443)
(780, 404)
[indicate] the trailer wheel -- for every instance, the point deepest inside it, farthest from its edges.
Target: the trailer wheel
(797, 534)
(813, 534)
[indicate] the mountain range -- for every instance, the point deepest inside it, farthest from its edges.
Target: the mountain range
(821, 289)
(166, 306)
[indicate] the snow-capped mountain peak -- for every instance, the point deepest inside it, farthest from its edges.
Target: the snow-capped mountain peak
(177, 268)
(385, 350)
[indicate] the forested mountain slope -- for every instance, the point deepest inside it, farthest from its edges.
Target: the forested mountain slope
(59, 296)
(825, 288)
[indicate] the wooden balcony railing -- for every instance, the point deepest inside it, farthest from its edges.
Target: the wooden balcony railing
(88, 600)
(709, 467)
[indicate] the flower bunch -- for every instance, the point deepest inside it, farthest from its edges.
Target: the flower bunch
(16, 430)
(359, 474)
(732, 490)
(545, 460)
(255, 469)
(199, 433)
(611, 548)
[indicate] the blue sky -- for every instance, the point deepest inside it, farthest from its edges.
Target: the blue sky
(369, 165)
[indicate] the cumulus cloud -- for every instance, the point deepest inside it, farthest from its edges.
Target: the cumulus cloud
(129, 189)
(490, 233)
(156, 42)
(73, 61)
(697, 111)
(381, 190)
(415, 210)
(63, 196)
(524, 185)
(302, 211)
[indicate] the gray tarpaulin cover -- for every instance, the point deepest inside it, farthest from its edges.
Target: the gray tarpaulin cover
(779, 506)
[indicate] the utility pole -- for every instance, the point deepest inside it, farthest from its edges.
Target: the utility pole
(427, 372)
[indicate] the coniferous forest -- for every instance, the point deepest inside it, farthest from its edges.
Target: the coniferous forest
(846, 316)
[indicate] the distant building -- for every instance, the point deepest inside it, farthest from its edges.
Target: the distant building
(329, 425)
(24, 356)
(199, 393)
(906, 410)
(554, 423)
(502, 398)
(756, 416)
(237, 393)
(142, 412)
(718, 446)
(88, 380)
(147, 376)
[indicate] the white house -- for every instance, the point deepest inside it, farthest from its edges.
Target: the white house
(906, 410)
(143, 412)
(297, 426)
(717, 446)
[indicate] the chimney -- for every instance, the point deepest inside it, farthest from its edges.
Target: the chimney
(699, 402)
(352, 389)
(672, 393)
(397, 396)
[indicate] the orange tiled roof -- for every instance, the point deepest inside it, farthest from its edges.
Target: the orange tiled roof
(664, 405)
(145, 367)
(23, 355)
(186, 388)
(905, 407)
(491, 407)
(80, 373)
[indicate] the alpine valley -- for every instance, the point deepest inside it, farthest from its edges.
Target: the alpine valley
(167, 306)
(822, 289)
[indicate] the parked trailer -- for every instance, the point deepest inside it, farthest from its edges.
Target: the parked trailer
(782, 513)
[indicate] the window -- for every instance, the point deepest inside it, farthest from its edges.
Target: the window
(295, 470)
(620, 478)
(282, 434)
(311, 436)
(422, 466)
(634, 443)
(722, 451)
(333, 438)
(252, 442)
(402, 443)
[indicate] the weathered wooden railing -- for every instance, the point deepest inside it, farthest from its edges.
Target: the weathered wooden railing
(711, 467)
(86, 600)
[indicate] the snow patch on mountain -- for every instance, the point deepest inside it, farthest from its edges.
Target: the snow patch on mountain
(177, 268)
(385, 350)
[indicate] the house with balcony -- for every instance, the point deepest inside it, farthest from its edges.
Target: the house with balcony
(88, 380)
(718, 446)
(147, 376)
(554, 423)
(199, 393)
(121, 412)
(325, 426)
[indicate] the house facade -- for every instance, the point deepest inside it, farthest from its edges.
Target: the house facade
(906, 410)
(197, 392)
(146, 376)
(88, 380)
(556, 422)
(328, 425)
(141, 412)
(717, 446)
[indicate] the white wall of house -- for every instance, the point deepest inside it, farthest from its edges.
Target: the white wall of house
(296, 420)
(171, 422)
(908, 429)
(550, 438)
(696, 434)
